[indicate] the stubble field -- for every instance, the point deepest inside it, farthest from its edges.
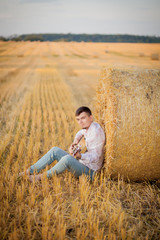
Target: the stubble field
(41, 85)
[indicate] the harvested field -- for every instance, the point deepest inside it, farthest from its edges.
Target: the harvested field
(41, 85)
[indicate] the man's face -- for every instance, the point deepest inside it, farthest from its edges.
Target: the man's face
(84, 120)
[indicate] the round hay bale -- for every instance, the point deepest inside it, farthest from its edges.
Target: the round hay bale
(155, 56)
(128, 108)
(142, 55)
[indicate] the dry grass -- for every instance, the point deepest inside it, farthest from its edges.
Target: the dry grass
(37, 104)
(66, 208)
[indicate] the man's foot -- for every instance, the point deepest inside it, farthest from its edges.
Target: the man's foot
(35, 178)
(27, 172)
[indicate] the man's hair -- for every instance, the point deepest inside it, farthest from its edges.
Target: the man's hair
(83, 109)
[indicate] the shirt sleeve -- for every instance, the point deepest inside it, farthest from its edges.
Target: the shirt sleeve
(78, 136)
(95, 150)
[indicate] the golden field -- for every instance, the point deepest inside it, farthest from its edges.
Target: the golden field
(41, 85)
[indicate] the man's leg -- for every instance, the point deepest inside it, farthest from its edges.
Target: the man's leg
(72, 165)
(53, 154)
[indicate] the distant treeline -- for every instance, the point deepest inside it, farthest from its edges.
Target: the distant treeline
(85, 38)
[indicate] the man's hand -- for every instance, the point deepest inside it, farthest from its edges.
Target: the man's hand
(77, 155)
(71, 148)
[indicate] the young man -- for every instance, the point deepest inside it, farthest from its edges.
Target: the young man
(79, 163)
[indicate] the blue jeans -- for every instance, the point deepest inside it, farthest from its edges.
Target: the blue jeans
(65, 161)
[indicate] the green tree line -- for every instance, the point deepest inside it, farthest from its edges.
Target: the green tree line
(85, 38)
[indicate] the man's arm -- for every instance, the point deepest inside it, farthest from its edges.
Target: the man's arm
(95, 150)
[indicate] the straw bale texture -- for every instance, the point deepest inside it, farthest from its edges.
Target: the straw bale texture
(128, 108)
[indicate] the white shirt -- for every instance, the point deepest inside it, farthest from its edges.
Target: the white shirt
(95, 139)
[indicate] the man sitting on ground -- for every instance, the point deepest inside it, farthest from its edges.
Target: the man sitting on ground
(78, 163)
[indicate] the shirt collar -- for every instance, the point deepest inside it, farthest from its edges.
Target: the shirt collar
(90, 127)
